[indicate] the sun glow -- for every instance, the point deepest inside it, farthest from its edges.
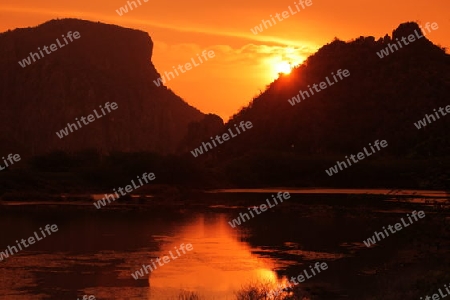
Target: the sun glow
(282, 62)
(283, 67)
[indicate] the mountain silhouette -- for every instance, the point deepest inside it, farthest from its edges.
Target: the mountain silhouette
(107, 63)
(381, 99)
(388, 90)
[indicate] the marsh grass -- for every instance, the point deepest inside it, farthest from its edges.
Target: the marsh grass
(257, 291)
(185, 295)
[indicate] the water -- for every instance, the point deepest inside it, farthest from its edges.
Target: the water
(95, 251)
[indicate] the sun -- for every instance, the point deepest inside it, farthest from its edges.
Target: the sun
(282, 61)
(283, 67)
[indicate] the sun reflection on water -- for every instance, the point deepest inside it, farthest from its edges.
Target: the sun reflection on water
(218, 266)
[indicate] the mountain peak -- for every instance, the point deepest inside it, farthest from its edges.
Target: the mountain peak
(400, 87)
(405, 29)
(107, 63)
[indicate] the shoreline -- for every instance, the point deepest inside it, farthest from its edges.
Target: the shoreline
(229, 198)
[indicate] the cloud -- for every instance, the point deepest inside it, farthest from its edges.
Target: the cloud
(136, 21)
(252, 53)
(247, 57)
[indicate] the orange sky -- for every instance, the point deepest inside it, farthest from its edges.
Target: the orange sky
(244, 63)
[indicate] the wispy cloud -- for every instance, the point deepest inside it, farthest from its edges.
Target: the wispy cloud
(249, 54)
(136, 21)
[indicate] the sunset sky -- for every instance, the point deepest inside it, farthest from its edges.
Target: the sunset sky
(244, 63)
